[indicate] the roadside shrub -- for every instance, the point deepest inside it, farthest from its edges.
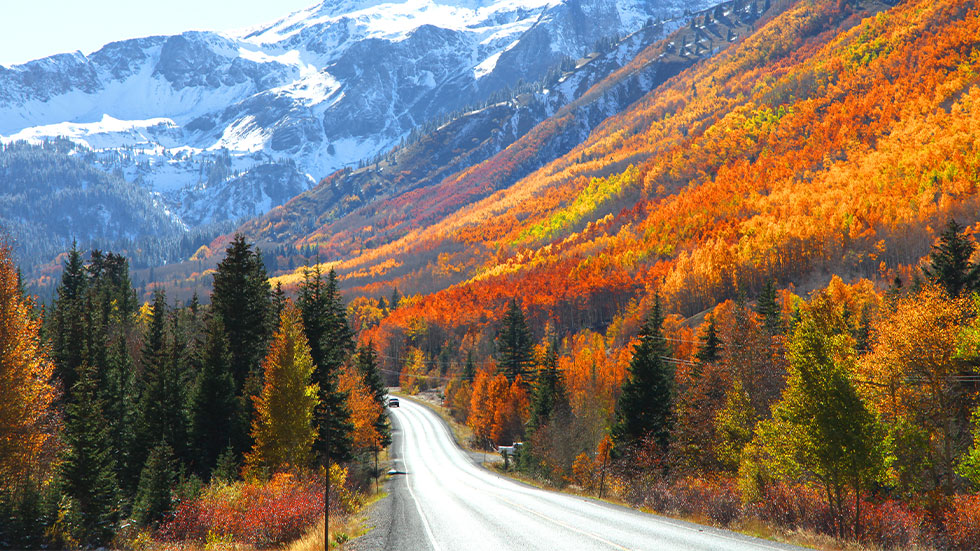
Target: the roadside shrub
(253, 512)
(794, 507)
(717, 500)
(962, 521)
(891, 524)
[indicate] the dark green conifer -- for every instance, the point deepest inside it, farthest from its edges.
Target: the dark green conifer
(769, 310)
(154, 497)
(87, 473)
(278, 300)
(515, 351)
(644, 407)
(161, 417)
(242, 297)
(70, 324)
(949, 262)
(227, 467)
(469, 368)
(331, 343)
(550, 397)
(119, 396)
(214, 412)
(709, 345)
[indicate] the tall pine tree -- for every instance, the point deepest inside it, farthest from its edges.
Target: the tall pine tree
(161, 417)
(949, 262)
(331, 343)
(515, 351)
(87, 472)
(69, 329)
(154, 497)
(644, 407)
(242, 297)
(214, 412)
(549, 396)
(709, 344)
(769, 310)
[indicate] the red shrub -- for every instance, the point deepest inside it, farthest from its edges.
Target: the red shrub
(892, 524)
(962, 521)
(795, 507)
(714, 499)
(256, 513)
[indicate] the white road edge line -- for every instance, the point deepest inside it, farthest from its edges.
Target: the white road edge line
(418, 506)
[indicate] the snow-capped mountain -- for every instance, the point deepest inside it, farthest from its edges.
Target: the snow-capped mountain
(226, 125)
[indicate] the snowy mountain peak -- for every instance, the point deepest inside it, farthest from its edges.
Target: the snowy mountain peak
(319, 90)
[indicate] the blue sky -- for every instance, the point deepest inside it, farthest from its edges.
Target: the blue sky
(30, 29)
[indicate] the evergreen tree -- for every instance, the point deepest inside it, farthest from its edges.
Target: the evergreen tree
(549, 391)
(709, 345)
(515, 349)
(120, 399)
(469, 368)
(949, 262)
(242, 297)
(283, 426)
(69, 347)
(278, 300)
(227, 466)
(395, 298)
(821, 426)
(644, 407)
(154, 497)
(768, 309)
(214, 412)
(366, 361)
(331, 343)
(87, 472)
(161, 406)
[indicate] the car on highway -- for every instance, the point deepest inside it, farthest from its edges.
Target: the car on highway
(393, 402)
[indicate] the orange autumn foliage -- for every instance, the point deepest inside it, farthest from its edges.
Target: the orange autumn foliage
(363, 407)
(498, 409)
(28, 424)
(813, 145)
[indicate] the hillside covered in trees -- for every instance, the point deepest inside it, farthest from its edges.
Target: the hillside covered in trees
(800, 201)
(748, 297)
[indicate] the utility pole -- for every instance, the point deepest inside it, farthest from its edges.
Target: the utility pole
(326, 484)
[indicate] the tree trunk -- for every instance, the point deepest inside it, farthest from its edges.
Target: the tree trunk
(857, 509)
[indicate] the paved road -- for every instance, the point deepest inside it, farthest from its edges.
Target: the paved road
(445, 502)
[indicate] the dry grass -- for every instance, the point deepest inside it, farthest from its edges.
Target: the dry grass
(342, 530)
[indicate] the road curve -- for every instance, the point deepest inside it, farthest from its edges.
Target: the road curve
(445, 502)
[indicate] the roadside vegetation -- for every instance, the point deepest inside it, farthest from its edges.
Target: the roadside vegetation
(161, 425)
(845, 419)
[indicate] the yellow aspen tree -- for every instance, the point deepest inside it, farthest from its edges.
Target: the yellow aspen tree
(283, 422)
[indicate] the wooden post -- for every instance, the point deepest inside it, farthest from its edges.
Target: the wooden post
(326, 492)
(602, 477)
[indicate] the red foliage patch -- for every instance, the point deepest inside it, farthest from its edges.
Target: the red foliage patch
(257, 513)
(962, 521)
